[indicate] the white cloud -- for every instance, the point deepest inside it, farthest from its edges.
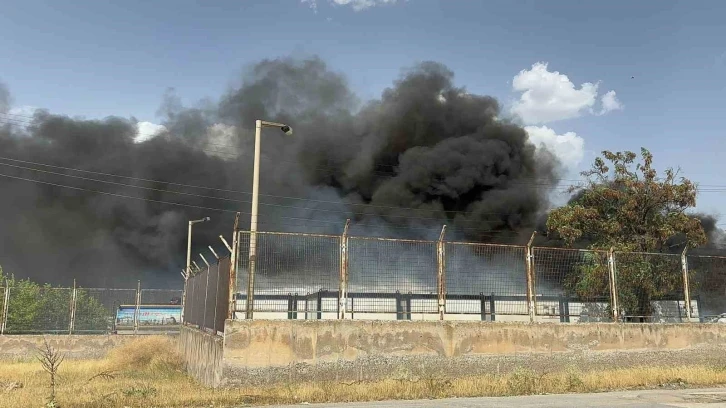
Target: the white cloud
(549, 96)
(356, 5)
(568, 147)
(610, 103)
(147, 130)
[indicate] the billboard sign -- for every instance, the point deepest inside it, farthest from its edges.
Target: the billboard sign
(162, 315)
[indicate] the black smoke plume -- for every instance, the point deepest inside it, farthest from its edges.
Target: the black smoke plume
(426, 153)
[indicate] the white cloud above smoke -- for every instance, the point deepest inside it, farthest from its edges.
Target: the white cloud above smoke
(549, 96)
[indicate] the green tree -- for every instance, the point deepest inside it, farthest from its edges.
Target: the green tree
(626, 206)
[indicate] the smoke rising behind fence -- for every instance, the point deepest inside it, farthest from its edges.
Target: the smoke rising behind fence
(425, 153)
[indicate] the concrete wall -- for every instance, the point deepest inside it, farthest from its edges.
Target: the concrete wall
(202, 354)
(263, 352)
(21, 347)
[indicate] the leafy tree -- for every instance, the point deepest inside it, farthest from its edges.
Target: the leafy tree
(626, 206)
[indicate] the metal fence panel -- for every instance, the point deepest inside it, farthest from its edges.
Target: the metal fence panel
(210, 297)
(707, 278)
(222, 295)
(382, 271)
(492, 277)
(192, 304)
(288, 264)
(650, 286)
(38, 310)
(207, 297)
(572, 283)
(96, 308)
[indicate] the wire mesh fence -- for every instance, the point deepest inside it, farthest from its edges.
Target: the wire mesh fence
(572, 283)
(309, 276)
(206, 299)
(96, 308)
(650, 287)
(36, 310)
(27, 308)
(708, 287)
(486, 280)
(288, 265)
(392, 276)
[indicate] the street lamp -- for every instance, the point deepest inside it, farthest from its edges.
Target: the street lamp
(253, 220)
(188, 270)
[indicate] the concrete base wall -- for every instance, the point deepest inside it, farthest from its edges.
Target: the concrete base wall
(21, 347)
(265, 352)
(203, 355)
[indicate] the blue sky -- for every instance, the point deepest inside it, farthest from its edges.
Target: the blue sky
(95, 59)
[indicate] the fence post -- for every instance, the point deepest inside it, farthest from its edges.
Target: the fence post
(216, 292)
(343, 291)
(185, 275)
(686, 284)
(206, 292)
(441, 264)
(72, 313)
(613, 285)
(531, 294)
(233, 269)
(4, 312)
(138, 304)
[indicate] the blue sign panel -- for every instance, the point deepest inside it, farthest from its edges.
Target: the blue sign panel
(149, 316)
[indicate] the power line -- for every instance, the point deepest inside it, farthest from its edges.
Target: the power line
(244, 213)
(239, 201)
(115, 195)
(223, 190)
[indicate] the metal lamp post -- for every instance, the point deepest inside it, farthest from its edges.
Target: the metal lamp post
(255, 199)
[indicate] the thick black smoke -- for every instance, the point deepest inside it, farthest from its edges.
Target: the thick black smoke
(426, 153)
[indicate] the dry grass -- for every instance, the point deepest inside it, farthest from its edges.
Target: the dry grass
(148, 373)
